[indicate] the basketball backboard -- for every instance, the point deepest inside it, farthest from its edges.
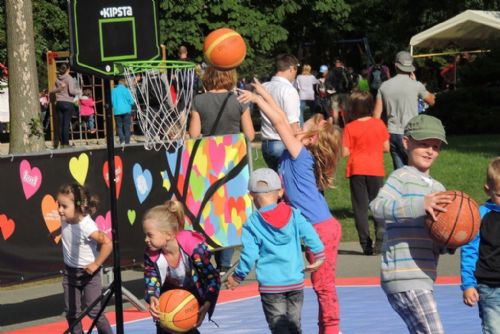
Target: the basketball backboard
(106, 31)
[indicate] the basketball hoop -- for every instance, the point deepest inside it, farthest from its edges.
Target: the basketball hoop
(163, 92)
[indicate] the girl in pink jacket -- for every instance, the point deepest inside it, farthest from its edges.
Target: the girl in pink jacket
(87, 110)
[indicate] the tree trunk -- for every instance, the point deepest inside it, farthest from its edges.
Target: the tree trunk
(26, 131)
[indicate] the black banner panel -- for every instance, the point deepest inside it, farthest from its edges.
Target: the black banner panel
(210, 176)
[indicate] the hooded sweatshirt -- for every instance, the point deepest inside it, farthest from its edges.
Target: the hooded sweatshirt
(479, 258)
(271, 240)
(69, 91)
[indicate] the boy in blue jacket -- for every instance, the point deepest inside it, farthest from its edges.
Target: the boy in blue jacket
(479, 258)
(271, 240)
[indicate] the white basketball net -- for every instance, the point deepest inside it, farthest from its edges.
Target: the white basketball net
(163, 92)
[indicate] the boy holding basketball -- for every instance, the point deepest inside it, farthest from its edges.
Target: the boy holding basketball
(271, 240)
(409, 255)
(479, 269)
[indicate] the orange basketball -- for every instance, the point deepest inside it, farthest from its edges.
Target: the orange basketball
(459, 224)
(178, 310)
(224, 48)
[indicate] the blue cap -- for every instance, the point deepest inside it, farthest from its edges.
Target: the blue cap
(323, 69)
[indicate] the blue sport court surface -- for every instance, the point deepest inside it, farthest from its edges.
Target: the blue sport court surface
(364, 310)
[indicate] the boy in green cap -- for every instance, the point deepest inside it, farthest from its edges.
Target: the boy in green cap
(409, 255)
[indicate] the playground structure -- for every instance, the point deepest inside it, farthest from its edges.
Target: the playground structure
(80, 135)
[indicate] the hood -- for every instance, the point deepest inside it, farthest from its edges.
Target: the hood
(492, 206)
(273, 224)
(189, 240)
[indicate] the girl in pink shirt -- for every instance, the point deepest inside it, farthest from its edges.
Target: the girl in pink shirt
(87, 110)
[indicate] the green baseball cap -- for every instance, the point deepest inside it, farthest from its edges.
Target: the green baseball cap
(423, 127)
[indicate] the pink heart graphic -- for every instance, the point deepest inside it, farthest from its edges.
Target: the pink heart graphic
(31, 178)
(217, 154)
(104, 224)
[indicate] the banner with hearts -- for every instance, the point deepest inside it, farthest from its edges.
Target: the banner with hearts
(51, 217)
(143, 181)
(79, 168)
(31, 178)
(104, 224)
(7, 226)
(118, 174)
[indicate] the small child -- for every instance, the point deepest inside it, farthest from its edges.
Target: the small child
(479, 269)
(80, 240)
(87, 110)
(307, 168)
(365, 140)
(122, 102)
(177, 259)
(409, 255)
(271, 240)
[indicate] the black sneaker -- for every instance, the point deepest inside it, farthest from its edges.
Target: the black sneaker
(368, 250)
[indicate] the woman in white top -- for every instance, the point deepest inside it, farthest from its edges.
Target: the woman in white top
(305, 84)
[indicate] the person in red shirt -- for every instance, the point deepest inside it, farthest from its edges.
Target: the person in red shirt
(365, 140)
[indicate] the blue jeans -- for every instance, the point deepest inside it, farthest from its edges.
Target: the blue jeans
(123, 123)
(303, 104)
(223, 258)
(489, 308)
(271, 152)
(398, 152)
(283, 310)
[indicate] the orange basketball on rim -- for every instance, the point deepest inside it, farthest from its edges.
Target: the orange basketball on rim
(178, 310)
(224, 48)
(459, 224)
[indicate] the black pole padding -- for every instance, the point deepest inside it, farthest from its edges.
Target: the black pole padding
(114, 216)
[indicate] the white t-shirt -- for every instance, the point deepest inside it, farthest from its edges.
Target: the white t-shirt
(305, 85)
(78, 249)
(287, 98)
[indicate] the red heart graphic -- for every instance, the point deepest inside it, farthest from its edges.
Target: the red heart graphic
(7, 226)
(118, 174)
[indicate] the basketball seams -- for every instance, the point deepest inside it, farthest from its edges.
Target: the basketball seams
(459, 224)
(457, 215)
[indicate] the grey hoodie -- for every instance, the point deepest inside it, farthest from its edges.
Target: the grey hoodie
(68, 91)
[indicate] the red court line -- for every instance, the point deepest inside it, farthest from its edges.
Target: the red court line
(245, 291)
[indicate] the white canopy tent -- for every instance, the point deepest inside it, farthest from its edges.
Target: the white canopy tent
(469, 30)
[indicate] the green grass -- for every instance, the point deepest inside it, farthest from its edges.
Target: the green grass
(461, 166)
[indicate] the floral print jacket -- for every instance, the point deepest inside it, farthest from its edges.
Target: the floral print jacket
(205, 277)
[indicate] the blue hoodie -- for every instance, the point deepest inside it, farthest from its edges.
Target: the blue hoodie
(469, 253)
(271, 240)
(122, 100)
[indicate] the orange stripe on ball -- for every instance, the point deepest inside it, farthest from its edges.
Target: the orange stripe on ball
(224, 49)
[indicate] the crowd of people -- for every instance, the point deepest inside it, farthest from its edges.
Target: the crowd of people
(359, 118)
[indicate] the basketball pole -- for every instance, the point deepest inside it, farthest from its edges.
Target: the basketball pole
(117, 281)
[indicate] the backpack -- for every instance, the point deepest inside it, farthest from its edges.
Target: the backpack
(377, 76)
(340, 80)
